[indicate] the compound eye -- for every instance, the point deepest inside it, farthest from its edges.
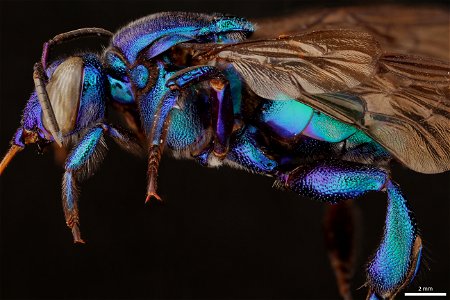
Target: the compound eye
(115, 66)
(64, 89)
(120, 87)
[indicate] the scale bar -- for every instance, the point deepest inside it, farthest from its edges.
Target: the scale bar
(426, 294)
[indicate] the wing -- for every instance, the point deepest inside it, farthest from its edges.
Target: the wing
(407, 110)
(400, 101)
(420, 30)
(318, 62)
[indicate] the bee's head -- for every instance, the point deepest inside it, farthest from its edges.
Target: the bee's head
(35, 126)
(68, 95)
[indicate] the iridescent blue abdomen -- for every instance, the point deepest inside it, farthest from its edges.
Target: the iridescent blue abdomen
(289, 119)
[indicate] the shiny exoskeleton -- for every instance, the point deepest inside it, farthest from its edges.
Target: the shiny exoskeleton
(322, 112)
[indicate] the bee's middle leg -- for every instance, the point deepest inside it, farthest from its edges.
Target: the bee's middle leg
(246, 152)
(222, 114)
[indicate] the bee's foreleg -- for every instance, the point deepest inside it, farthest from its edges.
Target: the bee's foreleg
(80, 164)
(397, 259)
(125, 140)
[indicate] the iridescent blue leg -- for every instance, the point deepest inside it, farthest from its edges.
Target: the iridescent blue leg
(245, 151)
(157, 141)
(82, 162)
(396, 260)
(192, 75)
(126, 141)
(222, 116)
(221, 102)
(390, 271)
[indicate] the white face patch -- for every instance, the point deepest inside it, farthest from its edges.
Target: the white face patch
(64, 89)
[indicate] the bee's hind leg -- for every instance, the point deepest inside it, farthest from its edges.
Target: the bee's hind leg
(396, 260)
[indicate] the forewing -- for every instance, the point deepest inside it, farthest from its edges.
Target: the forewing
(407, 110)
(422, 30)
(64, 88)
(401, 101)
(319, 62)
(405, 107)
